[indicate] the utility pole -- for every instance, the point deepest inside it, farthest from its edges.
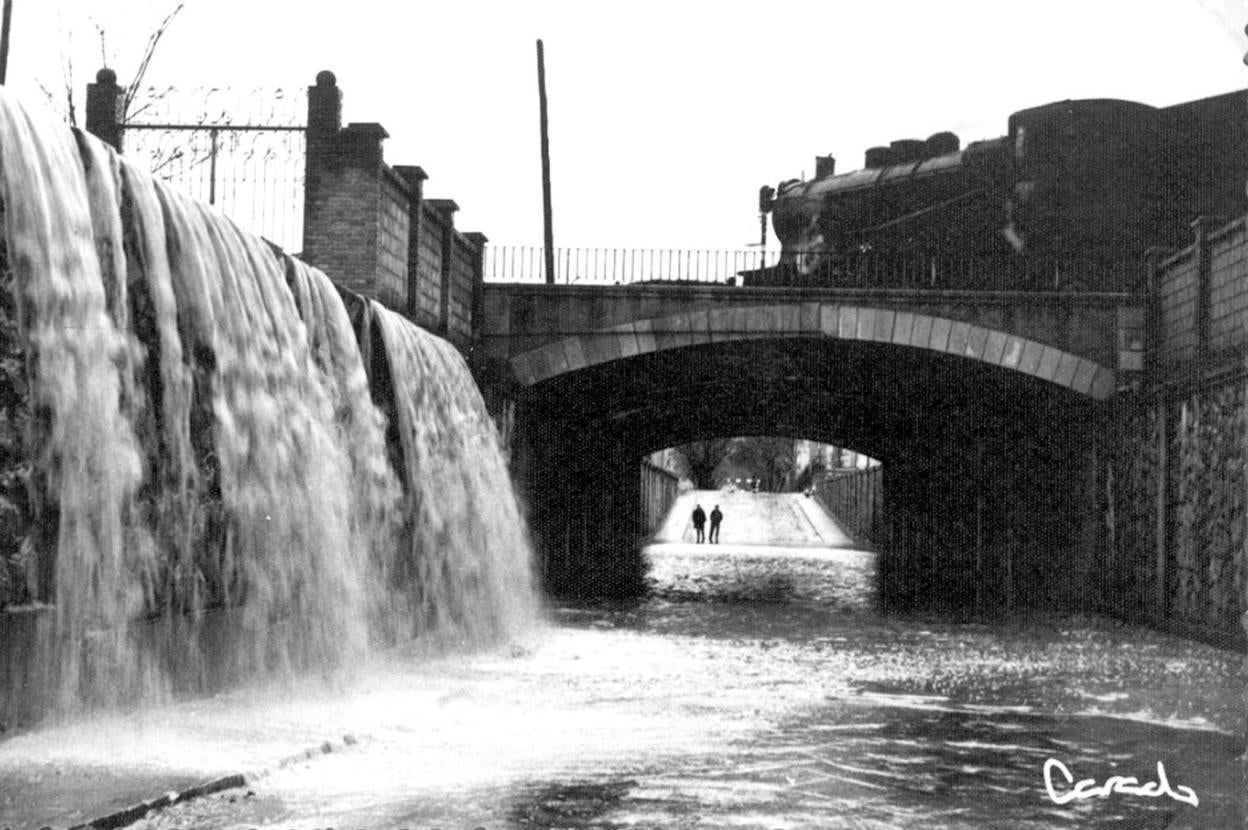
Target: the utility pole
(4, 40)
(546, 213)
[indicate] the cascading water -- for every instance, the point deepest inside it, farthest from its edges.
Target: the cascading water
(214, 496)
(458, 560)
(373, 486)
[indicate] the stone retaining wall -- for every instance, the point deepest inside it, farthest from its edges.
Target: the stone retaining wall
(1174, 499)
(1175, 515)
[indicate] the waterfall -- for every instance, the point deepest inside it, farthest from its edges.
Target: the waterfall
(460, 558)
(209, 488)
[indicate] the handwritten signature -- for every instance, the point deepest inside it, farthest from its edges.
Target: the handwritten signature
(1128, 785)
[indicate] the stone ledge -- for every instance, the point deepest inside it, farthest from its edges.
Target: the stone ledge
(129, 815)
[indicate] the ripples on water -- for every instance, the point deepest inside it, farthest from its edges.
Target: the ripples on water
(907, 722)
(758, 688)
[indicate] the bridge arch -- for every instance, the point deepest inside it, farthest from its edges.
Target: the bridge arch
(817, 320)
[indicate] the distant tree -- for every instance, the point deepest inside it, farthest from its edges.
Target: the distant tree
(770, 458)
(701, 459)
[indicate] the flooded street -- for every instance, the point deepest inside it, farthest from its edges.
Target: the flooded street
(754, 687)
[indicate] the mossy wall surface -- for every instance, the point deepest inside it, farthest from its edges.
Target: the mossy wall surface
(1190, 492)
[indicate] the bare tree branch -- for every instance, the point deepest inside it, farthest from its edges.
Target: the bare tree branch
(99, 31)
(71, 111)
(152, 42)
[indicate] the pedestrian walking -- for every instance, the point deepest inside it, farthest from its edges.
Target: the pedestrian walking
(716, 517)
(699, 520)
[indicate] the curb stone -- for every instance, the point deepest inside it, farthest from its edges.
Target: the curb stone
(129, 815)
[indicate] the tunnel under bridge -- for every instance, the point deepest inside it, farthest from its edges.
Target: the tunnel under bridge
(983, 407)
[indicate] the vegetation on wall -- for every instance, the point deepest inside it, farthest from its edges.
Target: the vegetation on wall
(1205, 504)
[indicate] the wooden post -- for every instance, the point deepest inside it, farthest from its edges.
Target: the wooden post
(5, 25)
(546, 211)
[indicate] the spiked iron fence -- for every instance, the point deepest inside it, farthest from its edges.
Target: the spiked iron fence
(758, 267)
(623, 266)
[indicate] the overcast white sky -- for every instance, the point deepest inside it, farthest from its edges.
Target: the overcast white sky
(665, 116)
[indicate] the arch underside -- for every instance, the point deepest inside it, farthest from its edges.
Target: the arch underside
(847, 393)
(818, 321)
(959, 439)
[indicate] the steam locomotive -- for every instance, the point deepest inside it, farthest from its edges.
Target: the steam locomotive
(1074, 192)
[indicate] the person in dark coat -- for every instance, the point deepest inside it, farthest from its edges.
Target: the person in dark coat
(716, 518)
(699, 519)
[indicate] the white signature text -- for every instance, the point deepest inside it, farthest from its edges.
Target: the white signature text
(1128, 785)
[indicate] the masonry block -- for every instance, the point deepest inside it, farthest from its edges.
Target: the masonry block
(829, 319)
(574, 351)
(700, 327)
(994, 347)
(976, 342)
(1064, 375)
(644, 330)
(959, 334)
(866, 323)
(627, 336)
(903, 324)
(848, 327)
(921, 332)
(883, 330)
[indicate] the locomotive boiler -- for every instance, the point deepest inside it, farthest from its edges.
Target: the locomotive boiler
(1073, 195)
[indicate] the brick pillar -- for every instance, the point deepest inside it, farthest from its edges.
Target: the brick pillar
(415, 178)
(477, 240)
(324, 124)
(104, 101)
(447, 208)
(342, 210)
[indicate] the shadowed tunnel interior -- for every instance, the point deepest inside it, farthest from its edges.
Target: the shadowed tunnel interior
(986, 469)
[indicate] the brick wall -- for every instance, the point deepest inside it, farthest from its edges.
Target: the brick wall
(1228, 287)
(1177, 300)
(343, 238)
(428, 277)
(368, 226)
(462, 285)
(1202, 298)
(1174, 495)
(391, 240)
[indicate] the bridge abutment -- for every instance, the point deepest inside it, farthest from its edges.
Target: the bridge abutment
(999, 520)
(586, 514)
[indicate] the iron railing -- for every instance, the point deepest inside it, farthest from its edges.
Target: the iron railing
(957, 271)
(241, 150)
(624, 266)
(873, 269)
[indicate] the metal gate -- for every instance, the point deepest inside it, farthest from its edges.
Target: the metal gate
(242, 152)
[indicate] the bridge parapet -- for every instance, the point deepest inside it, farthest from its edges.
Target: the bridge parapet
(953, 270)
(1090, 343)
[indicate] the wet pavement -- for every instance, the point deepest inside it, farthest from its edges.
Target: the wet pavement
(754, 687)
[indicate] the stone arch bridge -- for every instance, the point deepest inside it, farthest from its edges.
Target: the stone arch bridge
(982, 405)
(1083, 342)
